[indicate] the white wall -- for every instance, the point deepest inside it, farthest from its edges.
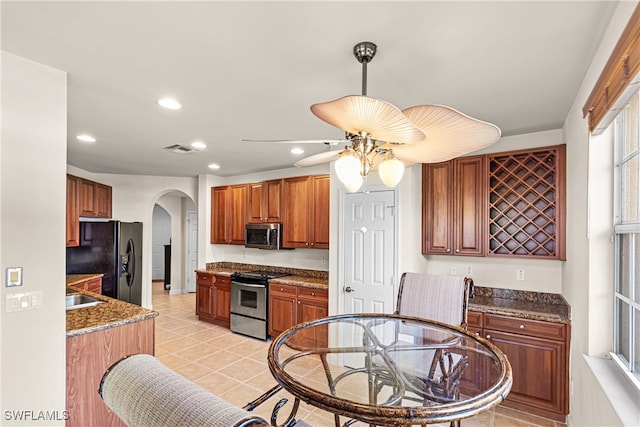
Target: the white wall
(32, 228)
(313, 259)
(540, 275)
(585, 274)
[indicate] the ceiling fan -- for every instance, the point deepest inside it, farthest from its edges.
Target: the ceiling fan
(381, 136)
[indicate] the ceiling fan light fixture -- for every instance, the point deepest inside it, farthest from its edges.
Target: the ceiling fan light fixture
(348, 170)
(391, 171)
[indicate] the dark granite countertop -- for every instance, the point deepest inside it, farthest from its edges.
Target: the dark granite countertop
(75, 279)
(296, 277)
(103, 316)
(522, 304)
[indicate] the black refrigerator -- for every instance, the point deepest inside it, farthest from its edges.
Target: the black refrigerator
(114, 249)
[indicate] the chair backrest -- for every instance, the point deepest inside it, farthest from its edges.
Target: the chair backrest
(441, 298)
(143, 392)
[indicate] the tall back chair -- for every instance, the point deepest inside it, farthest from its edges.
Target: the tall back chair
(441, 298)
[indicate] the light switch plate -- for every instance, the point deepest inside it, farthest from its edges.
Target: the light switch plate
(14, 276)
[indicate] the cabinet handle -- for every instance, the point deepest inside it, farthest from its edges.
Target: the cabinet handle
(521, 326)
(311, 243)
(313, 294)
(457, 250)
(488, 336)
(281, 290)
(298, 302)
(448, 250)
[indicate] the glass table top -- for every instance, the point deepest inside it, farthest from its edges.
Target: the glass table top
(387, 369)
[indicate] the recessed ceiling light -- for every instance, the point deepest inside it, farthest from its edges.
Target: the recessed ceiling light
(86, 138)
(214, 166)
(297, 150)
(169, 103)
(199, 145)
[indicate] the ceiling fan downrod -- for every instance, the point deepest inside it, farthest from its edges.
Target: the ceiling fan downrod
(364, 53)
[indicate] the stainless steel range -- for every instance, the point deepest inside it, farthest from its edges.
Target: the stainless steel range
(249, 302)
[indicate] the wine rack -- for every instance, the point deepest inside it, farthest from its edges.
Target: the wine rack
(526, 203)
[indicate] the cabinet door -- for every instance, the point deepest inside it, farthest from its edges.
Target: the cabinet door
(87, 191)
(219, 208)
(103, 201)
(473, 379)
(255, 202)
(297, 205)
(539, 373)
(272, 200)
(239, 196)
(204, 300)
(470, 216)
(73, 220)
(222, 300)
(319, 221)
(282, 309)
(437, 209)
(312, 305)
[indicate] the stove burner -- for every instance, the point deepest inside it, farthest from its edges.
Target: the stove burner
(264, 275)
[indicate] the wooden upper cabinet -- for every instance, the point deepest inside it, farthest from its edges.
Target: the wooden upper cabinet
(85, 199)
(265, 201)
(229, 213)
(94, 199)
(306, 212)
(219, 207)
(454, 207)
(527, 203)
(73, 216)
(320, 211)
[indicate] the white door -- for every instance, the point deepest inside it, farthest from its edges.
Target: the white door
(161, 235)
(368, 279)
(192, 250)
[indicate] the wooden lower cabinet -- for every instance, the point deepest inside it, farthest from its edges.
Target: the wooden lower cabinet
(88, 357)
(290, 305)
(213, 298)
(93, 285)
(539, 356)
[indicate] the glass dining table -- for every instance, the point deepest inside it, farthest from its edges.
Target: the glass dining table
(387, 370)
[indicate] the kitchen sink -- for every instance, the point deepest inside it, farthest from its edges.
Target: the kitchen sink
(75, 301)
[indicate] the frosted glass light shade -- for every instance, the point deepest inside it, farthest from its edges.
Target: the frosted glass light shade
(348, 171)
(391, 171)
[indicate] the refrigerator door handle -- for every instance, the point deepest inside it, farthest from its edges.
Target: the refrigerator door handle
(129, 263)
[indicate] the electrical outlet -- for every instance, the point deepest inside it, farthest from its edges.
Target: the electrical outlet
(454, 270)
(469, 271)
(323, 260)
(519, 274)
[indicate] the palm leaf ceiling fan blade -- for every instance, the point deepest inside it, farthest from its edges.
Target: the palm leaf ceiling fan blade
(318, 159)
(379, 119)
(449, 134)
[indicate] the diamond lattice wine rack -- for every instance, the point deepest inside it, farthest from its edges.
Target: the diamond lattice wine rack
(526, 203)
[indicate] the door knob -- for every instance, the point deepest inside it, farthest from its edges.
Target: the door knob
(348, 289)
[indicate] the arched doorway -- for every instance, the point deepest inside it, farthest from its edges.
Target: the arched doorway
(174, 222)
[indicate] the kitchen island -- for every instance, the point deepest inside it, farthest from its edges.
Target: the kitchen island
(97, 337)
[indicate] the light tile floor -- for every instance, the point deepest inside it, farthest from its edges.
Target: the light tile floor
(234, 367)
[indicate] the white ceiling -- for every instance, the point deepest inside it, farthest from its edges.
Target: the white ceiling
(252, 69)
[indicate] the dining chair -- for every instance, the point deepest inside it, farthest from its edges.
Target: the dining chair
(437, 298)
(143, 392)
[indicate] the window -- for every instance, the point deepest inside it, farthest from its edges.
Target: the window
(627, 239)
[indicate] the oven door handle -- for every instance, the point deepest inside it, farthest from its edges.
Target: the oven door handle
(250, 285)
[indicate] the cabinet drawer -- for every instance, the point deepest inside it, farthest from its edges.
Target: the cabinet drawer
(222, 280)
(535, 328)
(474, 320)
(313, 293)
(205, 279)
(282, 289)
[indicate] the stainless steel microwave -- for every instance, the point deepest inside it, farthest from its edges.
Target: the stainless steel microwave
(263, 236)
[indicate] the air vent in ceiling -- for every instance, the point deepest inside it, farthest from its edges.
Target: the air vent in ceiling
(180, 149)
